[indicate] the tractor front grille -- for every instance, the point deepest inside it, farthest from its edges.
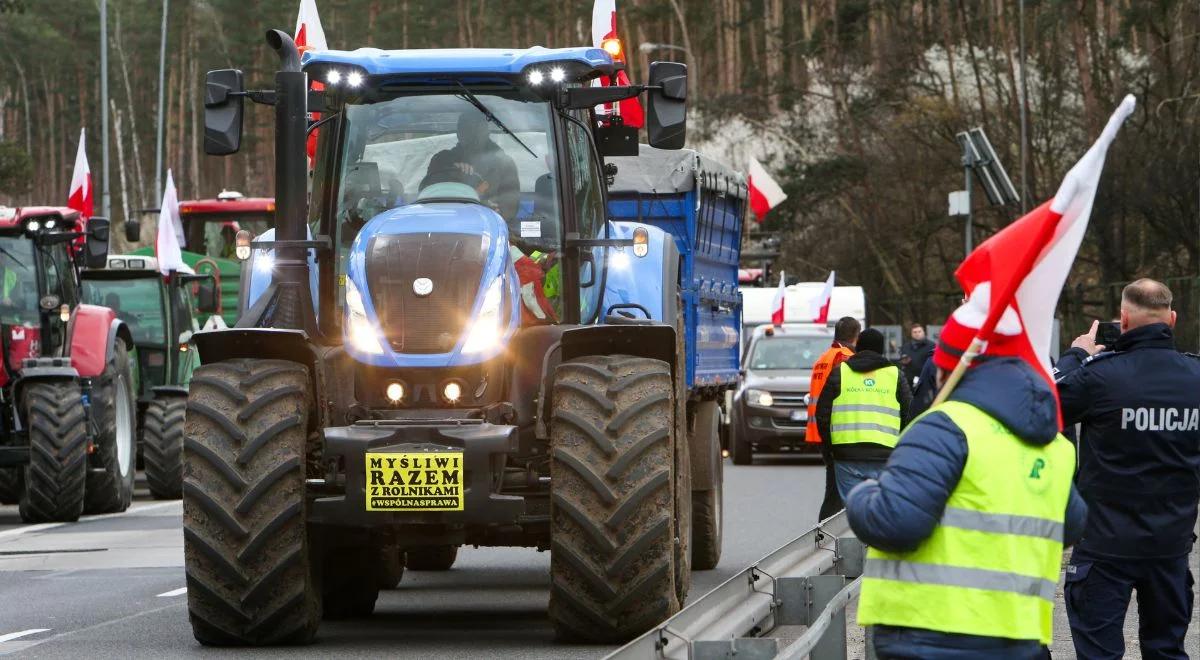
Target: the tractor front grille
(432, 323)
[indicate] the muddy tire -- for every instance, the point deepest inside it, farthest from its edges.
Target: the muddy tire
(11, 485)
(350, 584)
(739, 447)
(57, 467)
(613, 551)
(389, 570)
(162, 447)
(707, 512)
(250, 572)
(114, 409)
(435, 558)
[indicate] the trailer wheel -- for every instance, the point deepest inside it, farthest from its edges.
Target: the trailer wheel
(114, 409)
(707, 514)
(612, 551)
(57, 466)
(162, 447)
(10, 485)
(435, 558)
(350, 583)
(250, 574)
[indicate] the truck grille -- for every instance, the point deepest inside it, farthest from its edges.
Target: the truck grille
(424, 324)
(788, 399)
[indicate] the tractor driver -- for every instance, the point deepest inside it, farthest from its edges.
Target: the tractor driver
(480, 163)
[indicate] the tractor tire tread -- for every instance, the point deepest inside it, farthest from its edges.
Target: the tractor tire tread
(162, 447)
(54, 479)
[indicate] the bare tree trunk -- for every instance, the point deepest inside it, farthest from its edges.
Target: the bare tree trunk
(774, 51)
(693, 72)
(1091, 105)
(139, 180)
(27, 117)
(120, 140)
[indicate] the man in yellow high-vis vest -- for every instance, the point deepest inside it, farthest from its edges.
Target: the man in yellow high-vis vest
(860, 412)
(967, 522)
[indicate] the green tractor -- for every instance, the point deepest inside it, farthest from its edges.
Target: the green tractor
(209, 229)
(161, 313)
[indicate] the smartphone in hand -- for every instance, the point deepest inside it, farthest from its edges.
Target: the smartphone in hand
(1107, 334)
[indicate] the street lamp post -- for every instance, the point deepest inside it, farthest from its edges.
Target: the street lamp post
(162, 67)
(104, 194)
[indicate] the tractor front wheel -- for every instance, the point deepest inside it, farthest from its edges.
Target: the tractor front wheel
(613, 547)
(162, 447)
(57, 466)
(110, 482)
(250, 573)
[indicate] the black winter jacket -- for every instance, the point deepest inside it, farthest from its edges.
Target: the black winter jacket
(860, 362)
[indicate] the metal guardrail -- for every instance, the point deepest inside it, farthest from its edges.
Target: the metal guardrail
(807, 582)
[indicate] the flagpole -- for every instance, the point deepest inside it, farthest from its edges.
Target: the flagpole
(162, 67)
(104, 195)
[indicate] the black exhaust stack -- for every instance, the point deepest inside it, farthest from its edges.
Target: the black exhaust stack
(289, 302)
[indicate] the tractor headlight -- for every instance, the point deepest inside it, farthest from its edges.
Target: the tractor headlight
(363, 335)
(484, 332)
(760, 398)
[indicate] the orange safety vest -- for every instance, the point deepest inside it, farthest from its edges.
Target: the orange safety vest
(824, 366)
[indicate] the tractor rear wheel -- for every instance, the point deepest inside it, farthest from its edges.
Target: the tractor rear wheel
(162, 447)
(250, 574)
(110, 482)
(10, 485)
(435, 558)
(613, 550)
(707, 513)
(57, 466)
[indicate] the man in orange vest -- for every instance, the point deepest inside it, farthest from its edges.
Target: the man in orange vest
(845, 336)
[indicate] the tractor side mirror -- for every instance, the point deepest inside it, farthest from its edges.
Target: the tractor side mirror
(223, 102)
(208, 299)
(666, 105)
(96, 251)
(133, 230)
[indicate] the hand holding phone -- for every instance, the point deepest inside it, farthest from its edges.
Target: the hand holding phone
(1107, 333)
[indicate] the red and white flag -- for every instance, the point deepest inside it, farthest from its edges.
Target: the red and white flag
(604, 35)
(765, 193)
(168, 246)
(80, 195)
(778, 302)
(309, 33)
(820, 305)
(1017, 275)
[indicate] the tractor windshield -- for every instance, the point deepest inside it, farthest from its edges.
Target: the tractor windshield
(212, 235)
(138, 302)
(18, 281)
(493, 146)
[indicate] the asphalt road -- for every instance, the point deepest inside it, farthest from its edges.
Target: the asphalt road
(112, 586)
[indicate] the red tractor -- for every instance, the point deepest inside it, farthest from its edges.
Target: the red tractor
(67, 381)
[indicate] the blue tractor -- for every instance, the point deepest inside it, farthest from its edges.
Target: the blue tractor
(447, 342)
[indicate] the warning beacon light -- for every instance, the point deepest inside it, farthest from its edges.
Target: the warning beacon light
(613, 46)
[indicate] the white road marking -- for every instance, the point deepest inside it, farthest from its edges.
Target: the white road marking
(14, 635)
(10, 533)
(174, 592)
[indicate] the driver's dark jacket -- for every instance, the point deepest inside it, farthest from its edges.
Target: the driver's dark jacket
(861, 362)
(491, 164)
(1139, 450)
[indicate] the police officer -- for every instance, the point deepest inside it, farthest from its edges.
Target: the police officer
(1139, 453)
(968, 520)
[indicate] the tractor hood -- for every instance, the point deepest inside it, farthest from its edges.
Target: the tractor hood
(431, 285)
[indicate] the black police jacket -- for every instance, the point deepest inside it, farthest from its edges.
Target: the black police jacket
(1139, 451)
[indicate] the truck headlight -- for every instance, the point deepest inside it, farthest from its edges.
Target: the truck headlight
(760, 398)
(362, 334)
(484, 332)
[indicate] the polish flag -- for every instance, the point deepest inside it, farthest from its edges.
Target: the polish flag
(310, 36)
(309, 33)
(819, 311)
(168, 245)
(765, 194)
(777, 302)
(80, 195)
(604, 27)
(1017, 275)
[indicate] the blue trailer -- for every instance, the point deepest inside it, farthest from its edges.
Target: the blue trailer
(700, 205)
(449, 342)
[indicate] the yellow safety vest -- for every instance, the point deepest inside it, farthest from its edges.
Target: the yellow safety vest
(991, 566)
(866, 409)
